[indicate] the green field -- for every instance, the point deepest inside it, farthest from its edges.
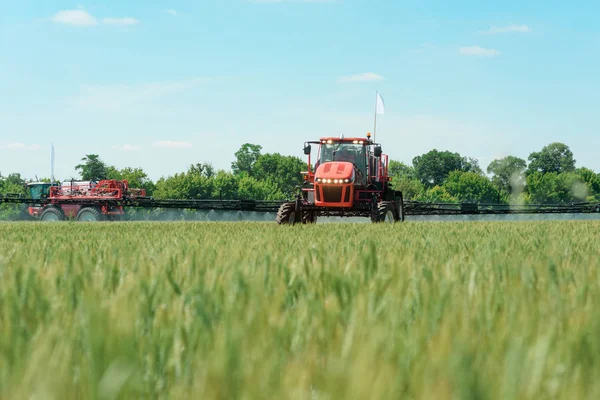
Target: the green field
(479, 310)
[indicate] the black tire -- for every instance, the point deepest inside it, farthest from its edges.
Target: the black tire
(400, 207)
(386, 212)
(309, 217)
(89, 214)
(52, 214)
(286, 213)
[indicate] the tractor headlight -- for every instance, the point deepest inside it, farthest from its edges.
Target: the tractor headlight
(334, 181)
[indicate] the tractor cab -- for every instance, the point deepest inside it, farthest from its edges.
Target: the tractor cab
(348, 152)
(40, 190)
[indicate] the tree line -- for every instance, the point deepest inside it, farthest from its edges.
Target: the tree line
(547, 177)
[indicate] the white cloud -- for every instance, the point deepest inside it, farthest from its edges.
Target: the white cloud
(12, 146)
(172, 144)
(366, 77)
(120, 21)
(80, 17)
(122, 97)
(20, 146)
(172, 12)
(126, 147)
(75, 18)
(507, 29)
(479, 51)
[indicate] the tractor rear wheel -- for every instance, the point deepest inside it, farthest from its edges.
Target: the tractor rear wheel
(52, 214)
(89, 214)
(286, 213)
(386, 212)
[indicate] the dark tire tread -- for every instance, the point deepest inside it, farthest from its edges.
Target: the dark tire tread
(53, 210)
(93, 210)
(383, 208)
(284, 213)
(309, 217)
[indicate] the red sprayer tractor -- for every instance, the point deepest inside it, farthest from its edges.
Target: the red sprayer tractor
(83, 201)
(350, 179)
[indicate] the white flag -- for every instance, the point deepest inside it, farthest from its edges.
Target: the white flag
(380, 105)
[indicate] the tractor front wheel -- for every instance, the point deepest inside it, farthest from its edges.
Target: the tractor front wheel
(52, 214)
(89, 214)
(286, 213)
(386, 212)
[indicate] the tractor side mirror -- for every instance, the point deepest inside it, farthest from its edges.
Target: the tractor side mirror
(377, 151)
(307, 149)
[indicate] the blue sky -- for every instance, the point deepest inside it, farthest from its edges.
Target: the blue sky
(161, 85)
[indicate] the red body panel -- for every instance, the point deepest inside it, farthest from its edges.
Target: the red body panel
(335, 170)
(331, 188)
(70, 210)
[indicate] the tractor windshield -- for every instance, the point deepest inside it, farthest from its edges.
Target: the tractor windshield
(354, 153)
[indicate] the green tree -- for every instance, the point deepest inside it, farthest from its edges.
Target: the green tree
(404, 179)
(410, 188)
(184, 186)
(196, 183)
(252, 188)
(245, 158)
(204, 169)
(436, 194)
(93, 169)
(555, 157)
(12, 184)
(433, 168)
(282, 171)
(555, 188)
(592, 181)
(508, 174)
(398, 170)
(225, 186)
(471, 187)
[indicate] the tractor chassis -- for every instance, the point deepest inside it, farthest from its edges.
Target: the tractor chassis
(303, 211)
(359, 210)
